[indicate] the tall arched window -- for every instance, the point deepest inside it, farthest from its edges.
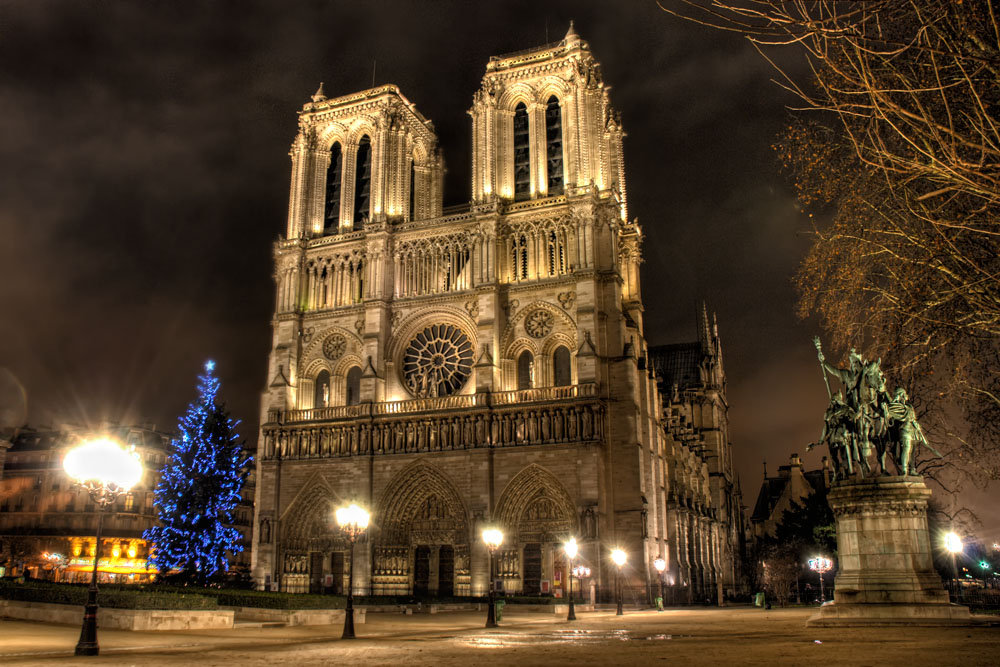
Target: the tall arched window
(525, 370)
(561, 374)
(556, 254)
(413, 190)
(353, 392)
(519, 257)
(333, 174)
(522, 154)
(322, 398)
(553, 145)
(362, 182)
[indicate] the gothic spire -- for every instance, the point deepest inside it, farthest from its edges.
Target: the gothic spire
(319, 96)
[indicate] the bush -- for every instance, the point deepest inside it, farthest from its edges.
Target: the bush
(114, 597)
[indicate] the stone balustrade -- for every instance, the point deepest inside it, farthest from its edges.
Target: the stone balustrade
(551, 415)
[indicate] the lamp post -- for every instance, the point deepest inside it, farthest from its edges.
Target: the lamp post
(571, 550)
(953, 543)
(106, 470)
(493, 539)
(822, 565)
(619, 558)
(353, 520)
(660, 566)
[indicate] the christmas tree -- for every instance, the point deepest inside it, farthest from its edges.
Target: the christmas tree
(199, 489)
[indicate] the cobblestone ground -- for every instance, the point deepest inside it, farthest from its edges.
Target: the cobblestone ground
(732, 636)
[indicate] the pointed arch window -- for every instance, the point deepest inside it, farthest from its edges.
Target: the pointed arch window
(353, 389)
(525, 370)
(522, 154)
(334, 172)
(561, 374)
(322, 386)
(362, 182)
(553, 145)
(519, 257)
(413, 189)
(556, 254)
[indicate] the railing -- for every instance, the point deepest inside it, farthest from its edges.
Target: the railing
(316, 414)
(458, 402)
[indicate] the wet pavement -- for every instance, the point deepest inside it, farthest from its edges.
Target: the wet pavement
(731, 636)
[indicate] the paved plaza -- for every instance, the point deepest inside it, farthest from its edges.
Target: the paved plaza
(732, 636)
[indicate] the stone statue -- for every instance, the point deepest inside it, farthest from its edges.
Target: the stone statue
(863, 419)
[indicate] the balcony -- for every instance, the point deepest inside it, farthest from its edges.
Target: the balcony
(541, 416)
(457, 402)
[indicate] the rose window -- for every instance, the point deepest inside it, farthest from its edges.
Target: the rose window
(334, 346)
(539, 324)
(437, 362)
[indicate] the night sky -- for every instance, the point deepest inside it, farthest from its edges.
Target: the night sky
(144, 176)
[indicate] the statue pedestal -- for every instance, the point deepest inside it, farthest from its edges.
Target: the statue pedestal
(886, 573)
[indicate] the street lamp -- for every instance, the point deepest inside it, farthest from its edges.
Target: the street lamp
(493, 538)
(106, 471)
(660, 566)
(619, 557)
(821, 565)
(353, 520)
(571, 550)
(953, 543)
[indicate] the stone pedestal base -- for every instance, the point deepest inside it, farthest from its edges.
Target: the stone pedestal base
(886, 572)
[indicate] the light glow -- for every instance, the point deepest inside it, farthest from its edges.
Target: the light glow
(353, 516)
(953, 543)
(659, 564)
(493, 538)
(571, 548)
(619, 557)
(105, 462)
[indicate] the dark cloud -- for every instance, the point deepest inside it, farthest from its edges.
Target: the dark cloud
(145, 174)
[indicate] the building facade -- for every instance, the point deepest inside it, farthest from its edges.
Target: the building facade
(793, 484)
(453, 370)
(704, 515)
(47, 522)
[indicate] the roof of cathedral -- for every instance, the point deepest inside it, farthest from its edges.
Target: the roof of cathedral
(678, 364)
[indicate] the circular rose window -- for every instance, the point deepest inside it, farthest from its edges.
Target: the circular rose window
(437, 362)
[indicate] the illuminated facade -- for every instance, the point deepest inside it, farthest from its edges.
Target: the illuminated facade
(47, 522)
(459, 369)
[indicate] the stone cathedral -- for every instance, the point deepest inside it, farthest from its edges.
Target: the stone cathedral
(479, 366)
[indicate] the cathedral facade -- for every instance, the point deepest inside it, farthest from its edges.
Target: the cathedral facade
(453, 370)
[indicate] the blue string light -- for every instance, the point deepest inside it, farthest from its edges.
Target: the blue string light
(199, 489)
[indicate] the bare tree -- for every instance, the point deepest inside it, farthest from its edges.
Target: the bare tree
(901, 160)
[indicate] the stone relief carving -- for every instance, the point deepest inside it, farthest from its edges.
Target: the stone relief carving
(539, 324)
(307, 334)
(567, 299)
(334, 346)
(472, 307)
(359, 326)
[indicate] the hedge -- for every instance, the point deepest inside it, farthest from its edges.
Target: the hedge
(112, 597)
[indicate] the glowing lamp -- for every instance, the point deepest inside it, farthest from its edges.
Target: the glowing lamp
(493, 538)
(353, 518)
(619, 557)
(103, 463)
(571, 548)
(953, 543)
(660, 564)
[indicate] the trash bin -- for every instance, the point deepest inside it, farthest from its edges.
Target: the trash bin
(499, 609)
(758, 599)
(659, 603)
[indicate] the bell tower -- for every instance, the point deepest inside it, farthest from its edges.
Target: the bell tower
(542, 125)
(360, 159)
